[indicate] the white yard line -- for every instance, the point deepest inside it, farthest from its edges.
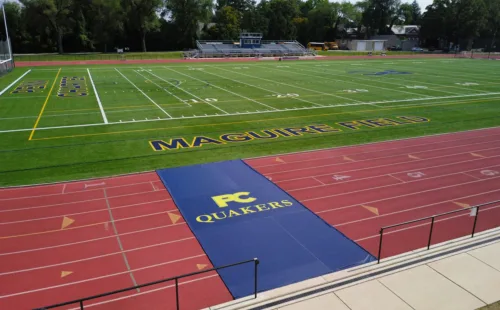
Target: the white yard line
(287, 110)
(166, 90)
(105, 119)
(14, 83)
(313, 103)
(357, 83)
(192, 95)
(143, 94)
(223, 89)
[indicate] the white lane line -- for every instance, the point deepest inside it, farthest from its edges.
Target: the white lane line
(88, 240)
(381, 143)
(120, 245)
(400, 196)
(104, 118)
(97, 257)
(379, 151)
(14, 83)
(97, 278)
(343, 171)
(148, 291)
(191, 94)
(251, 85)
(398, 147)
(142, 92)
(424, 224)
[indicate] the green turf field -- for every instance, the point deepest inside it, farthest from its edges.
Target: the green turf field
(57, 126)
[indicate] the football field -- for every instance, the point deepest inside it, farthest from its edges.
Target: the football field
(63, 123)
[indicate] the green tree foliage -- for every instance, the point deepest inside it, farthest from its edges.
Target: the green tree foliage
(227, 24)
(102, 25)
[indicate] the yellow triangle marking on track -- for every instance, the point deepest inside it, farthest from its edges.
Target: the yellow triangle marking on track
(66, 222)
(372, 209)
(348, 158)
(462, 205)
(413, 157)
(477, 155)
(201, 266)
(65, 273)
(279, 160)
(174, 217)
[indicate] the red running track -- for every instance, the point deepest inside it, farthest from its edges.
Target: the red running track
(362, 188)
(117, 232)
(71, 240)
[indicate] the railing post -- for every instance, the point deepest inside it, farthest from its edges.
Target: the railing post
(380, 245)
(430, 234)
(475, 221)
(81, 304)
(256, 260)
(177, 293)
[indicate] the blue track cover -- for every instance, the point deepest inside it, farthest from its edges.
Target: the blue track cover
(237, 214)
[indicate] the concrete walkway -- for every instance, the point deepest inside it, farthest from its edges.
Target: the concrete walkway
(460, 274)
(465, 281)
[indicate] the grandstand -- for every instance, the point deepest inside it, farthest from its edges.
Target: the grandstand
(249, 45)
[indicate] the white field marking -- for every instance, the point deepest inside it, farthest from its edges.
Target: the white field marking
(203, 100)
(88, 240)
(99, 278)
(143, 94)
(319, 181)
(148, 291)
(388, 149)
(413, 160)
(281, 110)
(447, 77)
(369, 85)
(381, 175)
(313, 103)
(104, 118)
(153, 185)
(85, 212)
(73, 192)
(223, 89)
(484, 209)
(98, 256)
(73, 202)
(298, 189)
(383, 186)
(14, 83)
(394, 177)
(470, 175)
(310, 90)
(268, 106)
(400, 196)
(180, 100)
(64, 188)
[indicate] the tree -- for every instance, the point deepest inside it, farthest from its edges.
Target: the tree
(58, 15)
(186, 16)
(143, 15)
(227, 24)
(106, 21)
(281, 14)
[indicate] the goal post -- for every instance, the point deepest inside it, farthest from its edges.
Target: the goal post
(6, 57)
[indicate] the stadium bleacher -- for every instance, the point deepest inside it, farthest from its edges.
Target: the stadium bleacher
(249, 45)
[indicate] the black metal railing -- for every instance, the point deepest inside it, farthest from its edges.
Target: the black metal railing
(432, 218)
(80, 301)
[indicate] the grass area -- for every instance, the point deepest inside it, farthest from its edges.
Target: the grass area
(218, 111)
(97, 56)
(493, 306)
